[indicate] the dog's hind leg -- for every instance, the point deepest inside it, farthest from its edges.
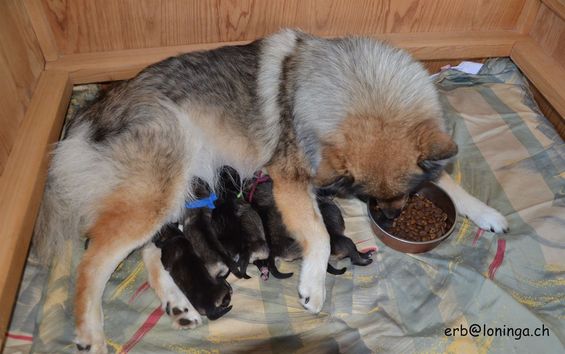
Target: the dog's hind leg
(481, 214)
(127, 219)
(297, 204)
(173, 301)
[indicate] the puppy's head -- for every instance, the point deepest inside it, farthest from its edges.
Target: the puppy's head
(385, 160)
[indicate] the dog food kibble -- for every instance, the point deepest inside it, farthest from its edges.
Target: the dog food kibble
(420, 220)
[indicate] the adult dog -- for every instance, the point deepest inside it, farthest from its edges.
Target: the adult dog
(311, 110)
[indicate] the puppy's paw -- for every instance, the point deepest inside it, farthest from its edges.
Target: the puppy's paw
(90, 343)
(488, 219)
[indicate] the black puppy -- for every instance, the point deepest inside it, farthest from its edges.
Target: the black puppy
(281, 244)
(209, 295)
(237, 224)
(197, 225)
(341, 245)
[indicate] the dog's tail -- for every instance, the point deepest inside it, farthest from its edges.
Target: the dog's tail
(78, 176)
(55, 224)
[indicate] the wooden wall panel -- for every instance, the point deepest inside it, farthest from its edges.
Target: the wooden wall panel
(82, 26)
(549, 33)
(21, 62)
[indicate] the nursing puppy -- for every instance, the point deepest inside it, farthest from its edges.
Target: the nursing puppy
(209, 295)
(310, 110)
(283, 246)
(237, 224)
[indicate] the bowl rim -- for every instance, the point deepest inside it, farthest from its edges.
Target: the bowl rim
(436, 240)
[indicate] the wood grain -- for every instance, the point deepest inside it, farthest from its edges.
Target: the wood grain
(45, 37)
(549, 33)
(527, 16)
(21, 62)
(543, 71)
(120, 65)
(85, 26)
(549, 112)
(21, 185)
(557, 6)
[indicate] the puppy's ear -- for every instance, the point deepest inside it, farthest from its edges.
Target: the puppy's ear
(433, 143)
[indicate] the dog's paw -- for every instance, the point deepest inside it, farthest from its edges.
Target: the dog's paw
(312, 293)
(488, 219)
(89, 343)
(183, 315)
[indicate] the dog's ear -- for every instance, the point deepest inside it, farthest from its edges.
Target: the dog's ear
(433, 143)
(332, 165)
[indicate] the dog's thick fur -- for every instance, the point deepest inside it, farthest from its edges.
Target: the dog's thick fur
(311, 110)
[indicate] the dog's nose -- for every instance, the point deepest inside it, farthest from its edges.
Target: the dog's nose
(391, 213)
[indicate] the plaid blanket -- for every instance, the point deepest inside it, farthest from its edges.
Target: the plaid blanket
(510, 157)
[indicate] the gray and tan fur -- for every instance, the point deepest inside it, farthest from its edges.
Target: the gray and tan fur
(308, 109)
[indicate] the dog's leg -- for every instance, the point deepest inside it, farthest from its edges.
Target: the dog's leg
(127, 219)
(481, 214)
(300, 213)
(173, 301)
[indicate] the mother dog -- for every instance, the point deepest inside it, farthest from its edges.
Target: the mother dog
(311, 110)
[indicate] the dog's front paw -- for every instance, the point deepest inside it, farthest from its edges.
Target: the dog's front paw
(488, 219)
(182, 314)
(88, 343)
(312, 292)
(312, 297)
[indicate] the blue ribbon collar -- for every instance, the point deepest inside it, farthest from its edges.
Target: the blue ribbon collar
(202, 203)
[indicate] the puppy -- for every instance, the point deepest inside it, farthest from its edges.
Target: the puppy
(197, 226)
(237, 224)
(341, 245)
(283, 246)
(310, 110)
(209, 295)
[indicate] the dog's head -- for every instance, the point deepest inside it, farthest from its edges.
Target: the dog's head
(369, 157)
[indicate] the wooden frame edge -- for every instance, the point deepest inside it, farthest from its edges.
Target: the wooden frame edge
(124, 64)
(23, 180)
(528, 16)
(558, 7)
(543, 71)
(43, 32)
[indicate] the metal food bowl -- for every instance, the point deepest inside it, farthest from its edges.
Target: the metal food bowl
(430, 191)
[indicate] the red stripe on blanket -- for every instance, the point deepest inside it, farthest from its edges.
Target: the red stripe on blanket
(149, 323)
(138, 292)
(369, 239)
(498, 258)
(20, 337)
(480, 233)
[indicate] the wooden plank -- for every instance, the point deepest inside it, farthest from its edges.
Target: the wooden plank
(42, 29)
(549, 32)
(528, 16)
(557, 6)
(549, 112)
(87, 26)
(21, 62)
(21, 185)
(119, 65)
(544, 72)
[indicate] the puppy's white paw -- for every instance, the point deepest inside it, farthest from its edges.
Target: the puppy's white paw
(488, 219)
(183, 315)
(88, 342)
